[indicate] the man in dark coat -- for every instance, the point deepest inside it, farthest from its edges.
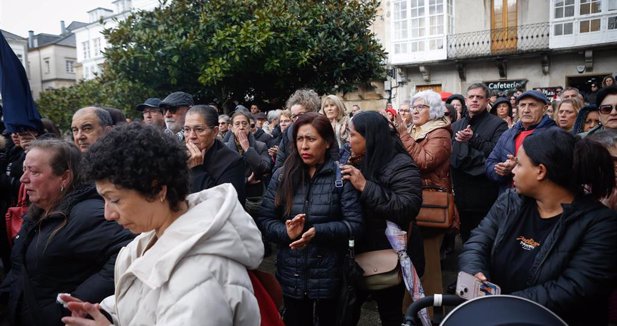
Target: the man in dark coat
(475, 136)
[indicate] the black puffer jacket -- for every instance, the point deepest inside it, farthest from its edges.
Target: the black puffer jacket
(79, 259)
(575, 269)
(315, 270)
(397, 197)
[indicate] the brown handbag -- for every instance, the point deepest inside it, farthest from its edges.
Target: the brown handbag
(438, 209)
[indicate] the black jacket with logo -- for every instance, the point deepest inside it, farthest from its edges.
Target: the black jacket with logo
(575, 269)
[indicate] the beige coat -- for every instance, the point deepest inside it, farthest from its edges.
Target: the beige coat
(195, 274)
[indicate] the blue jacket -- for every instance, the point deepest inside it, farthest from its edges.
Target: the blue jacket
(505, 146)
(315, 270)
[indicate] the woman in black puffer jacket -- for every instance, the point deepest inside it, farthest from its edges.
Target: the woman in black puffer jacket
(391, 189)
(550, 240)
(310, 219)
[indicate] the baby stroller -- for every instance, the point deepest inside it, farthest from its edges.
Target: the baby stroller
(486, 310)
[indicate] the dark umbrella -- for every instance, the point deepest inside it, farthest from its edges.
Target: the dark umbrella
(19, 110)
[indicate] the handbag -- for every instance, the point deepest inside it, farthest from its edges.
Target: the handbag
(14, 215)
(381, 269)
(438, 209)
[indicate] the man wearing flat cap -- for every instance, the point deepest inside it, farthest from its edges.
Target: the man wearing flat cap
(531, 108)
(152, 113)
(175, 106)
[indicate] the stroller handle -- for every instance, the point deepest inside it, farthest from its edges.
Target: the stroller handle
(436, 300)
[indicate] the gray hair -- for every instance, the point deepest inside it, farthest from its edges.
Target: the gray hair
(224, 117)
(606, 137)
(433, 100)
(307, 98)
(274, 114)
(104, 117)
(207, 112)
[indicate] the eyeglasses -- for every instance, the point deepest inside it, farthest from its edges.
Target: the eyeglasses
(404, 110)
(419, 107)
(199, 130)
(607, 108)
(295, 116)
(173, 109)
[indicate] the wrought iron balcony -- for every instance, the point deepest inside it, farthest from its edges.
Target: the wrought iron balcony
(517, 39)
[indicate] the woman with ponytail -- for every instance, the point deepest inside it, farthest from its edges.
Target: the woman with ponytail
(550, 239)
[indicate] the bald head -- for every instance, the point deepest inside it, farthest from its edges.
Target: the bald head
(88, 125)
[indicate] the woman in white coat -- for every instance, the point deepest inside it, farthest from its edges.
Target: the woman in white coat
(189, 264)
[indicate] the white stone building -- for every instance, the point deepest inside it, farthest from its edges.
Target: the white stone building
(90, 41)
(449, 44)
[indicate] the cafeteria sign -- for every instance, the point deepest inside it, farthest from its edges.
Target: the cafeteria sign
(506, 85)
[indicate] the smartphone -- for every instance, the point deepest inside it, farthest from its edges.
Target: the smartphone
(469, 287)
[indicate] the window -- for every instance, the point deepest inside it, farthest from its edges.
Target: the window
(46, 65)
(590, 7)
(612, 5)
(564, 8)
(96, 46)
(417, 19)
(612, 22)
(564, 29)
(435, 44)
(592, 25)
(69, 66)
(86, 46)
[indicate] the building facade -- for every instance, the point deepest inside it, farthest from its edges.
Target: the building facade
(447, 45)
(90, 40)
(52, 59)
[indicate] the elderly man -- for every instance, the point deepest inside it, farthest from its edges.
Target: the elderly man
(152, 113)
(175, 106)
(475, 136)
(531, 108)
(88, 125)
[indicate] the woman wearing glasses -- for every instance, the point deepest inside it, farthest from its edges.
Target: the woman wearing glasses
(429, 144)
(606, 100)
(254, 153)
(210, 162)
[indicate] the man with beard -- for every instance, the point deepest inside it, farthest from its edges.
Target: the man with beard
(175, 106)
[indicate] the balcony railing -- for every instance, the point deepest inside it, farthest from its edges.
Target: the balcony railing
(517, 39)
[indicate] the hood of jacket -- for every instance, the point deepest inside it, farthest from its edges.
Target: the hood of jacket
(215, 224)
(418, 133)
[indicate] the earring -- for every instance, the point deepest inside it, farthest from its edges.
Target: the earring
(162, 199)
(62, 188)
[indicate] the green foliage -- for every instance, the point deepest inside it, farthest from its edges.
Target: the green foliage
(230, 48)
(227, 50)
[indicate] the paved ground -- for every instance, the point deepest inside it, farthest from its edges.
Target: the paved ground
(370, 316)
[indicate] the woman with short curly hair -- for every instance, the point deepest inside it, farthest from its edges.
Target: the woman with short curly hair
(189, 264)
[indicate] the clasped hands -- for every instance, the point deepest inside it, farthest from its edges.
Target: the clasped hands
(505, 168)
(295, 226)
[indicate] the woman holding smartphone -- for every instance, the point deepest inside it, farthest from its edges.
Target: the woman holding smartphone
(550, 240)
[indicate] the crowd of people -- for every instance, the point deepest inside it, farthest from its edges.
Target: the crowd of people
(161, 221)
